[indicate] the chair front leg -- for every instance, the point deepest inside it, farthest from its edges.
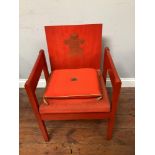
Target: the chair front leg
(34, 103)
(111, 122)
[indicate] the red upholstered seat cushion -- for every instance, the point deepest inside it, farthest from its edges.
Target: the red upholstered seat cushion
(78, 105)
(73, 83)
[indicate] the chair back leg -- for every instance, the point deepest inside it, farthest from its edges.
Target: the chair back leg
(43, 129)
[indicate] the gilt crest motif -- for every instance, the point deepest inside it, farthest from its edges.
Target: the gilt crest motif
(74, 43)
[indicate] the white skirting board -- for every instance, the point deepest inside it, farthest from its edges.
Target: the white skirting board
(126, 82)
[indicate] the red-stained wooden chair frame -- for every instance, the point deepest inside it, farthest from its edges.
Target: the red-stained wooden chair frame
(33, 79)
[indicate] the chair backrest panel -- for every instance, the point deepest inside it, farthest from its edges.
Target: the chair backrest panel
(74, 46)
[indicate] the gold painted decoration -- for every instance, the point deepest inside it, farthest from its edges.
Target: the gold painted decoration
(74, 43)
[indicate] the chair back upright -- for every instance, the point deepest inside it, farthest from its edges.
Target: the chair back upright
(74, 46)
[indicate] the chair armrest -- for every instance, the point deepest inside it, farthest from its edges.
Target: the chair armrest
(31, 84)
(109, 68)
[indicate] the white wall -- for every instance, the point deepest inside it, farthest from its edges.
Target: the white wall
(117, 17)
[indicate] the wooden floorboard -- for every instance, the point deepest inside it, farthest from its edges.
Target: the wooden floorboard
(79, 137)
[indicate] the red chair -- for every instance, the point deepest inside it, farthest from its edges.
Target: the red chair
(76, 87)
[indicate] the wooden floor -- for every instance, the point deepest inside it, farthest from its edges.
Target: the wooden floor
(79, 137)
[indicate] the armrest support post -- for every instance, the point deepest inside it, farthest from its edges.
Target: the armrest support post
(31, 84)
(45, 69)
(109, 68)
